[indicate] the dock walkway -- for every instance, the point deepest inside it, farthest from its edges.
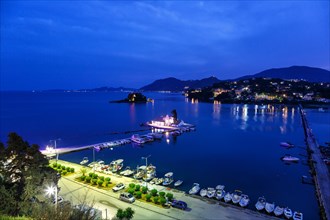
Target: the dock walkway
(322, 175)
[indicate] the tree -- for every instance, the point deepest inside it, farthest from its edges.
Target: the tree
(131, 185)
(148, 197)
(169, 196)
(153, 192)
(137, 187)
(129, 212)
(144, 189)
(138, 195)
(162, 194)
(120, 214)
(162, 200)
(156, 199)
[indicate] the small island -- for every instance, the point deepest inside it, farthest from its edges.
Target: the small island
(134, 97)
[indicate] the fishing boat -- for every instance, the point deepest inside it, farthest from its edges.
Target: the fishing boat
(260, 205)
(168, 178)
(220, 187)
(84, 161)
(286, 144)
(278, 211)
(288, 213)
(211, 192)
(150, 173)
(178, 183)
(153, 181)
(127, 172)
(195, 189)
(220, 193)
(159, 181)
(289, 158)
(140, 172)
(237, 195)
(297, 216)
(116, 165)
(203, 192)
(137, 139)
(245, 200)
(269, 207)
(228, 197)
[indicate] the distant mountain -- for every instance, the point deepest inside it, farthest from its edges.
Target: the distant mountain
(174, 84)
(107, 89)
(310, 74)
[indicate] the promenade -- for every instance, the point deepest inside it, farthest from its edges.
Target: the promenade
(108, 202)
(322, 175)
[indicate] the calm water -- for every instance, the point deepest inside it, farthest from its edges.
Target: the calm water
(233, 145)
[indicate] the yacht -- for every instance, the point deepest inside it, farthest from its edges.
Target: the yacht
(159, 181)
(237, 195)
(150, 173)
(211, 192)
(278, 211)
(84, 161)
(195, 189)
(140, 172)
(287, 213)
(260, 205)
(154, 180)
(228, 197)
(297, 216)
(168, 122)
(289, 158)
(269, 207)
(168, 179)
(127, 172)
(178, 183)
(245, 200)
(137, 139)
(116, 165)
(203, 192)
(220, 193)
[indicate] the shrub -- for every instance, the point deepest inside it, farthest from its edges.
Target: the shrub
(101, 178)
(94, 176)
(169, 196)
(72, 170)
(148, 197)
(94, 181)
(138, 195)
(106, 183)
(137, 187)
(88, 179)
(131, 191)
(58, 165)
(64, 172)
(131, 185)
(90, 175)
(154, 192)
(83, 178)
(161, 194)
(63, 167)
(107, 179)
(144, 190)
(156, 199)
(162, 200)
(100, 182)
(54, 164)
(68, 169)
(129, 213)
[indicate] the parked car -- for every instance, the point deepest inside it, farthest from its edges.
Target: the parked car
(127, 197)
(118, 187)
(179, 204)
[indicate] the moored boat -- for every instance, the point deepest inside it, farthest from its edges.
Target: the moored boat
(297, 216)
(237, 195)
(288, 213)
(178, 183)
(228, 197)
(245, 200)
(84, 161)
(211, 192)
(150, 173)
(116, 165)
(269, 207)
(168, 178)
(220, 193)
(140, 172)
(195, 189)
(137, 139)
(220, 187)
(159, 181)
(127, 172)
(286, 144)
(289, 158)
(203, 192)
(278, 211)
(260, 205)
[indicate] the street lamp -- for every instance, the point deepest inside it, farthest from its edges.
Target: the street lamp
(50, 191)
(146, 158)
(56, 152)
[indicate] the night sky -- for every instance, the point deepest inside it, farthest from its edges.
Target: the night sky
(88, 44)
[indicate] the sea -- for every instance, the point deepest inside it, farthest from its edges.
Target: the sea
(234, 145)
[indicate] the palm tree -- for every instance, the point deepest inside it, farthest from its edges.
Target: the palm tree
(83, 171)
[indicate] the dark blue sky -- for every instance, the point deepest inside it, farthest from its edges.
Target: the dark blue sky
(87, 44)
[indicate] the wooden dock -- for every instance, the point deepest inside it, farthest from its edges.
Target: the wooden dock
(321, 173)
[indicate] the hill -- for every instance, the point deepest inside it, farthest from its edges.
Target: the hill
(310, 74)
(174, 84)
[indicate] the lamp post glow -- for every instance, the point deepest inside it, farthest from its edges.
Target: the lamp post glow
(146, 158)
(50, 191)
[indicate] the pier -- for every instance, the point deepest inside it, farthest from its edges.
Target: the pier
(319, 168)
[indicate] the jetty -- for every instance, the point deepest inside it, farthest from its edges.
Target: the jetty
(320, 170)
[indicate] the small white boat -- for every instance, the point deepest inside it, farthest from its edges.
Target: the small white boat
(237, 195)
(140, 172)
(116, 165)
(154, 180)
(286, 144)
(203, 192)
(289, 158)
(245, 200)
(228, 197)
(150, 173)
(211, 192)
(297, 216)
(260, 205)
(137, 139)
(220, 194)
(168, 179)
(84, 161)
(278, 211)
(269, 207)
(220, 187)
(288, 213)
(159, 181)
(127, 172)
(195, 189)
(178, 183)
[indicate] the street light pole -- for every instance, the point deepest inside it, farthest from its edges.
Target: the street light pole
(56, 152)
(146, 158)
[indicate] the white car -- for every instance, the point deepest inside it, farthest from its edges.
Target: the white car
(118, 187)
